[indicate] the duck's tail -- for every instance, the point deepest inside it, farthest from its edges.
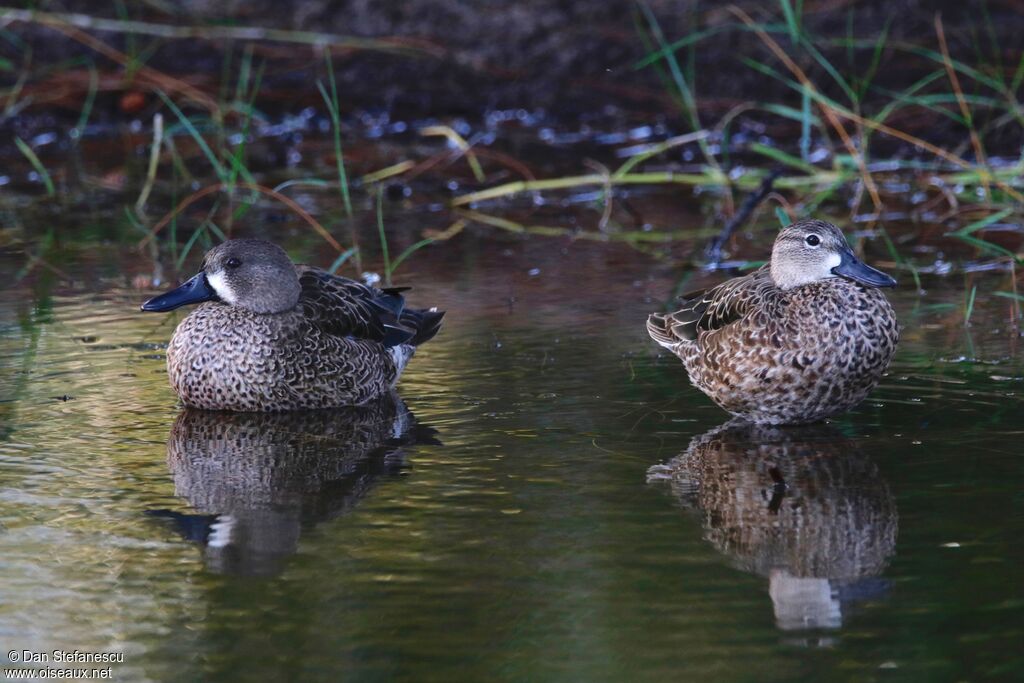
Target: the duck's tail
(425, 323)
(416, 326)
(659, 326)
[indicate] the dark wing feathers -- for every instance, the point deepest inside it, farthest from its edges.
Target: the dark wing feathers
(395, 335)
(347, 308)
(388, 303)
(425, 322)
(707, 310)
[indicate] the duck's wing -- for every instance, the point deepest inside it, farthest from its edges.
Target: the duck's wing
(708, 309)
(347, 308)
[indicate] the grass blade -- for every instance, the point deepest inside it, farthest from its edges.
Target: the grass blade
(210, 156)
(409, 251)
(464, 148)
(383, 237)
(333, 110)
(792, 21)
(782, 217)
(783, 158)
(154, 161)
(970, 306)
(989, 247)
(90, 99)
(805, 124)
(677, 45)
(982, 224)
(342, 257)
(44, 175)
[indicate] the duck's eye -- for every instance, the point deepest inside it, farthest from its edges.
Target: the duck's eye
(812, 240)
(232, 263)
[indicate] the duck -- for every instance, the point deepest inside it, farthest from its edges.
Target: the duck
(270, 335)
(803, 338)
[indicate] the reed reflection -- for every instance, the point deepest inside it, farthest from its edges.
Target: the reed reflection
(256, 479)
(802, 506)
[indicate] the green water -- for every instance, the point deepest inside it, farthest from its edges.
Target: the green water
(551, 512)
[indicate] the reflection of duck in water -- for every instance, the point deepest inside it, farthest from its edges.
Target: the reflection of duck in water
(800, 505)
(256, 478)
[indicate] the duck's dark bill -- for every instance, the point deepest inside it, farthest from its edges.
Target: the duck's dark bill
(852, 268)
(194, 291)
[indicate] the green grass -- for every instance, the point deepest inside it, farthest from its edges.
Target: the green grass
(969, 306)
(334, 109)
(840, 120)
(90, 101)
(330, 98)
(830, 99)
(391, 266)
(855, 87)
(383, 237)
(44, 175)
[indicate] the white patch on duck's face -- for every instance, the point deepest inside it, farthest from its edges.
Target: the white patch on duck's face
(833, 261)
(219, 283)
(820, 267)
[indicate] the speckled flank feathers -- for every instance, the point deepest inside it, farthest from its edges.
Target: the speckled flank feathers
(333, 342)
(798, 354)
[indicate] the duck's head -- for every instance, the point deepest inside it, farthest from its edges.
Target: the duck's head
(811, 250)
(251, 274)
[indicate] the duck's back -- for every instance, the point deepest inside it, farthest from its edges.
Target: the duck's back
(344, 343)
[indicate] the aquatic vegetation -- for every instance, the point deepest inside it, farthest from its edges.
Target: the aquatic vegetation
(877, 131)
(44, 175)
(569, 172)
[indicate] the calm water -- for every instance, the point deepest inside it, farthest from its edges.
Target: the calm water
(552, 501)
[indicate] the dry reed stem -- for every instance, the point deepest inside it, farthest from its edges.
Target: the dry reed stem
(148, 74)
(217, 33)
(954, 80)
(465, 149)
(287, 201)
(830, 114)
(900, 135)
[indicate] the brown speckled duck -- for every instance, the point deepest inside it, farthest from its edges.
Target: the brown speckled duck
(273, 336)
(802, 338)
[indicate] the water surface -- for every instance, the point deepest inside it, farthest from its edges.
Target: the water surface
(548, 500)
